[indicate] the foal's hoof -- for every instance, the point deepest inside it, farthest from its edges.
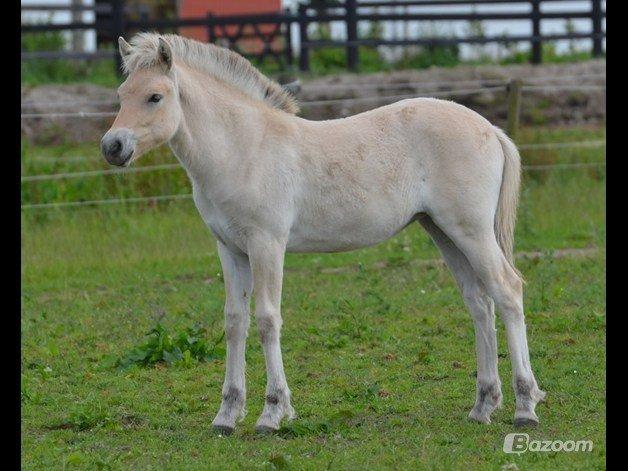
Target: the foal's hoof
(526, 422)
(223, 430)
(265, 429)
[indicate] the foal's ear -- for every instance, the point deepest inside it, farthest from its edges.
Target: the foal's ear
(293, 87)
(165, 54)
(124, 47)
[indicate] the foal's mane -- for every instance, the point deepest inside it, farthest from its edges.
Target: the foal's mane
(221, 63)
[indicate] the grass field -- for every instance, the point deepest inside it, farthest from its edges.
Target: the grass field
(378, 347)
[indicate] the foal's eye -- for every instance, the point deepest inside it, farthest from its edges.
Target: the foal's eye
(155, 98)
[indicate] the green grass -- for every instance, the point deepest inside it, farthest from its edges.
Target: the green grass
(380, 360)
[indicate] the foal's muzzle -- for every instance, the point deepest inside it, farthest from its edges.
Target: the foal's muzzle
(117, 146)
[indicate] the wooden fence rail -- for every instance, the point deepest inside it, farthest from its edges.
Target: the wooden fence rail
(351, 13)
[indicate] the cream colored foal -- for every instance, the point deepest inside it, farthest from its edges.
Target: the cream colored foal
(266, 181)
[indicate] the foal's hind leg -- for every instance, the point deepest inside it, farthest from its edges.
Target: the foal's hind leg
(481, 306)
(477, 241)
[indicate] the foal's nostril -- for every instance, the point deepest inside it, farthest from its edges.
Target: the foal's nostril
(115, 147)
(111, 147)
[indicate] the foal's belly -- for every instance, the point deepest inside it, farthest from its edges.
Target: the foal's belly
(339, 232)
(355, 209)
(319, 243)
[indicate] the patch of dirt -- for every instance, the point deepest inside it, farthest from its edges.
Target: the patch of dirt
(539, 107)
(66, 99)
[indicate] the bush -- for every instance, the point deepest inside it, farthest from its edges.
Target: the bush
(40, 71)
(46, 41)
(184, 347)
(548, 55)
(442, 56)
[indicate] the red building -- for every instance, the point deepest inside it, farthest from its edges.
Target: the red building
(200, 8)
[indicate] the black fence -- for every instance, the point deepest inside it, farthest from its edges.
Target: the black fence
(273, 31)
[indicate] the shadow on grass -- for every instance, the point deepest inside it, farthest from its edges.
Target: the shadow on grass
(303, 428)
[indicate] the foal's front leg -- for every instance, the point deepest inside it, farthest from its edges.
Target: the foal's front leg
(238, 288)
(266, 255)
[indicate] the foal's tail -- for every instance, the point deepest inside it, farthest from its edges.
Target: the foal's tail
(508, 197)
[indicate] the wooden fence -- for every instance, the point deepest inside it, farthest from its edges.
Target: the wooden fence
(271, 29)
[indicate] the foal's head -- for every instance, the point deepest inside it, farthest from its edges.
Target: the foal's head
(150, 112)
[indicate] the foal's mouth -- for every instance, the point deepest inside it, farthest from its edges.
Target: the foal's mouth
(120, 160)
(127, 161)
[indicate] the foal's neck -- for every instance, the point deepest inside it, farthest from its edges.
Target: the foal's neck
(218, 128)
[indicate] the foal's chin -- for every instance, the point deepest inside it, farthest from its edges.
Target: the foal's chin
(136, 153)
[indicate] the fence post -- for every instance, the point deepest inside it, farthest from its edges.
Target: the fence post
(288, 42)
(352, 34)
(304, 53)
(117, 29)
(514, 107)
(596, 18)
(210, 28)
(537, 47)
(78, 36)
(143, 12)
